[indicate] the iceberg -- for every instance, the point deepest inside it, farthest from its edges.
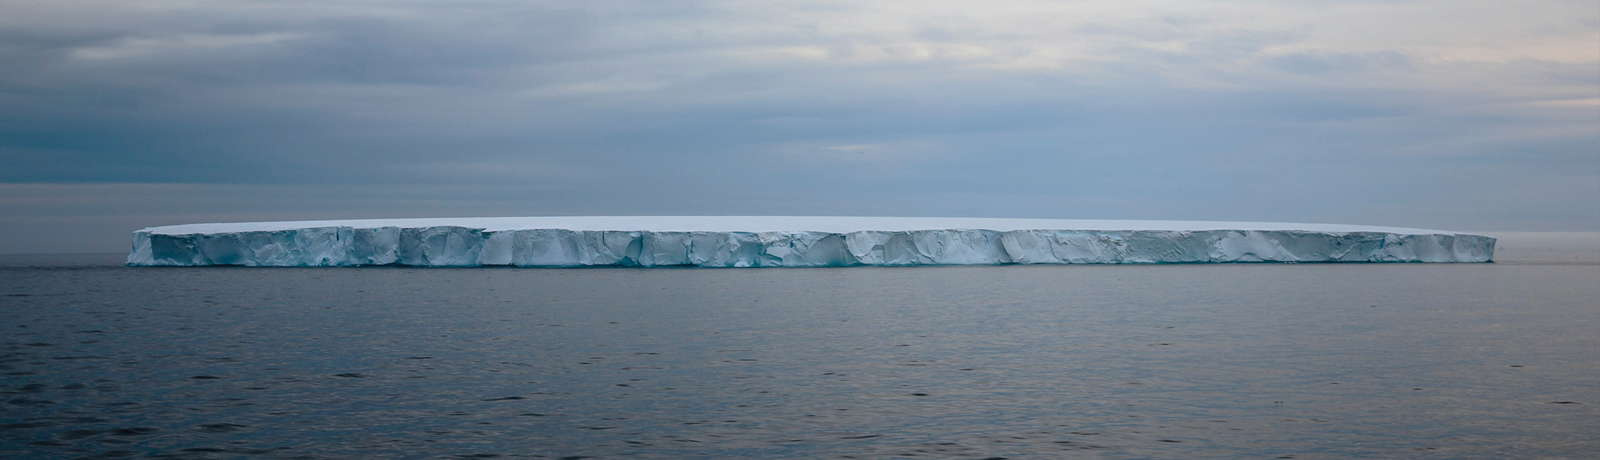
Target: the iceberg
(750, 241)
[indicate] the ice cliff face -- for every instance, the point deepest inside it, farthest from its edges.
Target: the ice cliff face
(784, 242)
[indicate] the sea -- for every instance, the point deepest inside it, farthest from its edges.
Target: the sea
(1228, 361)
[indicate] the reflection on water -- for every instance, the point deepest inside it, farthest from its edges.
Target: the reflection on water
(1213, 361)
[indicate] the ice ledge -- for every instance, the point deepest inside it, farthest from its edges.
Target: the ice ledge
(785, 242)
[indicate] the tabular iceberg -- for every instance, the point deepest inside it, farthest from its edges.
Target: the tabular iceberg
(784, 242)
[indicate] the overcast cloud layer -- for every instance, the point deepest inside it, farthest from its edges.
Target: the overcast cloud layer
(1467, 115)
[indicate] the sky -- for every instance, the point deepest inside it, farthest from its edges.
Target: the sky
(1460, 115)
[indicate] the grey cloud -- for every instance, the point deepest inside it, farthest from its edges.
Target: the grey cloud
(1323, 63)
(495, 108)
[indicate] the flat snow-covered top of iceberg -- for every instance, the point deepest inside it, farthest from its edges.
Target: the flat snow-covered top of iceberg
(758, 224)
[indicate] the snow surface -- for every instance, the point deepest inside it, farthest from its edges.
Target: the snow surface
(770, 241)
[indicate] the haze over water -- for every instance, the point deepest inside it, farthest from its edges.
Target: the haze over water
(1161, 361)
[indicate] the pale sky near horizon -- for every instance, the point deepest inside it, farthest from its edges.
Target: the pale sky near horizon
(1460, 115)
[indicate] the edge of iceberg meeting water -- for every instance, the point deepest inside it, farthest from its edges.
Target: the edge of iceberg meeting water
(785, 242)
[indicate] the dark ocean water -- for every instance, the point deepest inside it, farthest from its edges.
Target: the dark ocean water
(1192, 361)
